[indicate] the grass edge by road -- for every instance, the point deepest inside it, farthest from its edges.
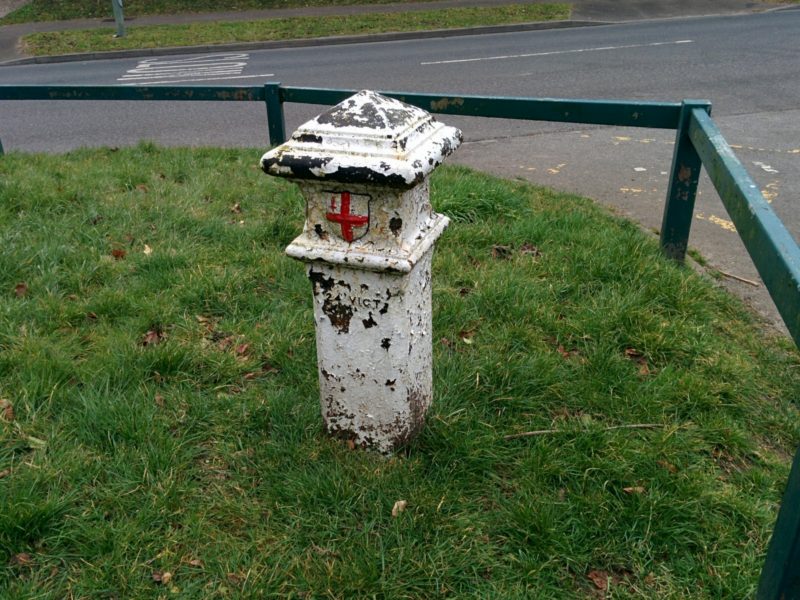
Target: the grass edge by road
(160, 36)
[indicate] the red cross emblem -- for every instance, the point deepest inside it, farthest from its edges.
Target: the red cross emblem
(351, 212)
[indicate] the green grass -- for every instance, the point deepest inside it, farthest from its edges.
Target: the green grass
(159, 36)
(202, 455)
(48, 10)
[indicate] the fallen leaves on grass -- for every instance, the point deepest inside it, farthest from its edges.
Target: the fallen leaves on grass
(147, 250)
(21, 289)
(399, 507)
(6, 410)
(638, 358)
(236, 209)
(5, 473)
(153, 337)
(636, 489)
(599, 579)
(118, 253)
(23, 559)
(501, 252)
(466, 335)
(530, 250)
(664, 464)
(162, 577)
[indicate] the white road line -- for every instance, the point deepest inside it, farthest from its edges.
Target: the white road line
(190, 74)
(194, 68)
(534, 54)
(201, 79)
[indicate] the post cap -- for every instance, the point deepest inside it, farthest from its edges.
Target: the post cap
(369, 139)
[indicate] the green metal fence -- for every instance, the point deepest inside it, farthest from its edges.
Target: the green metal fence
(698, 143)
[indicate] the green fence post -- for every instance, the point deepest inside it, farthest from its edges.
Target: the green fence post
(685, 173)
(275, 119)
(780, 577)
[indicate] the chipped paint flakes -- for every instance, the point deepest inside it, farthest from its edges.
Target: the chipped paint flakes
(557, 169)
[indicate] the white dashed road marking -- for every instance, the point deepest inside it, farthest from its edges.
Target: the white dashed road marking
(576, 51)
(209, 67)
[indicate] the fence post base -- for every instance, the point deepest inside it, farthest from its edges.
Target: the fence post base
(275, 117)
(684, 175)
(780, 577)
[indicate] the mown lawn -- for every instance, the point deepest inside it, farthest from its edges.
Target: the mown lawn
(192, 34)
(47, 10)
(160, 432)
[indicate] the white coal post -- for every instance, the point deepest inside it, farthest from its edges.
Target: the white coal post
(368, 239)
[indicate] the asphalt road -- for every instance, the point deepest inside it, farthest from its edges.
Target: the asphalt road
(748, 66)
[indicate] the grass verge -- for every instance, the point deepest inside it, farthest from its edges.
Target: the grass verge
(160, 430)
(47, 10)
(159, 36)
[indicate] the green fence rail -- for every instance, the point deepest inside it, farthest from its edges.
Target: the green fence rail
(698, 143)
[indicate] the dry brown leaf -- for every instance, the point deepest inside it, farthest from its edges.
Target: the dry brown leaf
(399, 507)
(159, 400)
(23, 559)
(236, 208)
(162, 577)
(5, 473)
(153, 337)
(530, 249)
(667, 465)
(142, 188)
(6, 410)
(268, 369)
(196, 562)
(234, 578)
(636, 489)
(226, 341)
(147, 250)
(91, 316)
(466, 335)
(242, 349)
(118, 253)
(21, 289)
(599, 579)
(501, 252)
(351, 444)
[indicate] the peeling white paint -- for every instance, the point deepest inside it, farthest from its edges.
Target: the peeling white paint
(368, 241)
